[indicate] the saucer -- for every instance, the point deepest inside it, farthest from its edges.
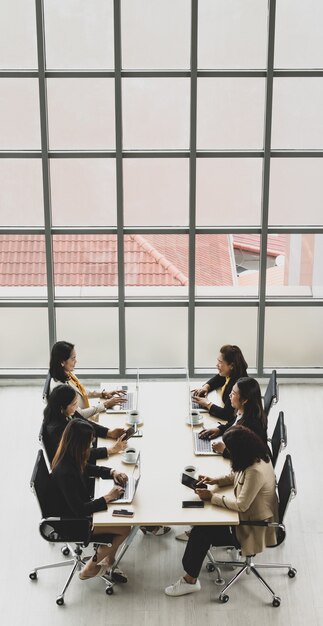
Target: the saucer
(200, 420)
(134, 423)
(128, 462)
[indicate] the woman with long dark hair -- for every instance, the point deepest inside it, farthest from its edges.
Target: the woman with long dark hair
(70, 476)
(254, 498)
(231, 365)
(60, 409)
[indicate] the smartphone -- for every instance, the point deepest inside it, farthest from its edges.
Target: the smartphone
(131, 431)
(191, 482)
(192, 504)
(122, 513)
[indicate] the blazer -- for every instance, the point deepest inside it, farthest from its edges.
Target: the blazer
(227, 411)
(87, 412)
(52, 433)
(71, 493)
(255, 499)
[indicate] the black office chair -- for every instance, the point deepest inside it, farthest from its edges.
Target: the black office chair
(59, 530)
(271, 393)
(286, 491)
(279, 438)
(46, 388)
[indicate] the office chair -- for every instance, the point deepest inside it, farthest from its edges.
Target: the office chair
(46, 388)
(65, 531)
(271, 394)
(286, 491)
(279, 438)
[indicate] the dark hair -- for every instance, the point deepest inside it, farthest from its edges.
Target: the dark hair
(59, 399)
(245, 447)
(250, 394)
(234, 357)
(61, 351)
(75, 443)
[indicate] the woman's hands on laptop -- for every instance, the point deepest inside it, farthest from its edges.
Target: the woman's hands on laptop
(108, 404)
(201, 392)
(115, 493)
(119, 478)
(209, 433)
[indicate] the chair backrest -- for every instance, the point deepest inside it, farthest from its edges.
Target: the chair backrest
(41, 485)
(46, 388)
(279, 437)
(286, 487)
(271, 393)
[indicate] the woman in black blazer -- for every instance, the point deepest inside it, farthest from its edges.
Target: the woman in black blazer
(247, 404)
(72, 498)
(231, 365)
(62, 408)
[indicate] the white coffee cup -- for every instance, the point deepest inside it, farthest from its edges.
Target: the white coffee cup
(130, 455)
(190, 470)
(134, 417)
(195, 417)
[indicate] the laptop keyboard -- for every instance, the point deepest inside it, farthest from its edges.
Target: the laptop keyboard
(202, 445)
(128, 405)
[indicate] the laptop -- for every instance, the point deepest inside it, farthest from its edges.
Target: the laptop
(130, 488)
(132, 391)
(193, 405)
(202, 447)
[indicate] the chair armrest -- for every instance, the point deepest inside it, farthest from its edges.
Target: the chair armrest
(57, 529)
(263, 523)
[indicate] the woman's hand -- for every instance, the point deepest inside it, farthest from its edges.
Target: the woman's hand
(108, 404)
(119, 446)
(116, 433)
(204, 494)
(201, 392)
(120, 478)
(106, 395)
(210, 433)
(218, 447)
(115, 493)
(202, 402)
(207, 480)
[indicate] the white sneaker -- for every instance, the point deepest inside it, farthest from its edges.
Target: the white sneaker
(181, 588)
(183, 536)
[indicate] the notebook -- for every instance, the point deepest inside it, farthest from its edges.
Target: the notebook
(132, 391)
(130, 488)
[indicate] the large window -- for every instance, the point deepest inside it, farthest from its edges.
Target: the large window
(161, 168)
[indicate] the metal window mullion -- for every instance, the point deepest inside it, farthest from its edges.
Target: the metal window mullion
(192, 191)
(265, 188)
(119, 186)
(45, 169)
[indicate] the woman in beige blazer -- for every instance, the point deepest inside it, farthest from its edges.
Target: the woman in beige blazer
(254, 499)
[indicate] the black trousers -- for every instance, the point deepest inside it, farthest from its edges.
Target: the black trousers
(200, 540)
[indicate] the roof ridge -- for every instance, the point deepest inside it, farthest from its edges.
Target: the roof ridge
(161, 259)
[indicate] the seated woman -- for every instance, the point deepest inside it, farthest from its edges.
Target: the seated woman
(246, 401)
(62, 364)
(70, 474)
(254, 498)
(61, 408)
(231, 365)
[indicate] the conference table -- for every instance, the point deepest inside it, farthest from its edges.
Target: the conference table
(166, 447)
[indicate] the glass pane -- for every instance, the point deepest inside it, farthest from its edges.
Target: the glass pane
(19, 114)
(232, 34)
(296, 191)
(156, 265)
(227, 265)
(85, 265)
(230, 113)
(22, 266)
(18, 43)
(20, 349)
(155, 34)
(156, 113)
(81, 113)
(285, 345)
(21, 193)
(94, 333)
(155, 192)
(217, 326)
(228, 191)
(297, 113)
(148, 333)
(295, 265)
(298, 39)
(79, 34)
(83, 192)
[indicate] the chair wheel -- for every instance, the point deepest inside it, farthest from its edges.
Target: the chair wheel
(276, 601)
(60, 600)
(65, 550)
(224, 598)
(33, 575)
(292, 572)
(109, 591)
(210, 567)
